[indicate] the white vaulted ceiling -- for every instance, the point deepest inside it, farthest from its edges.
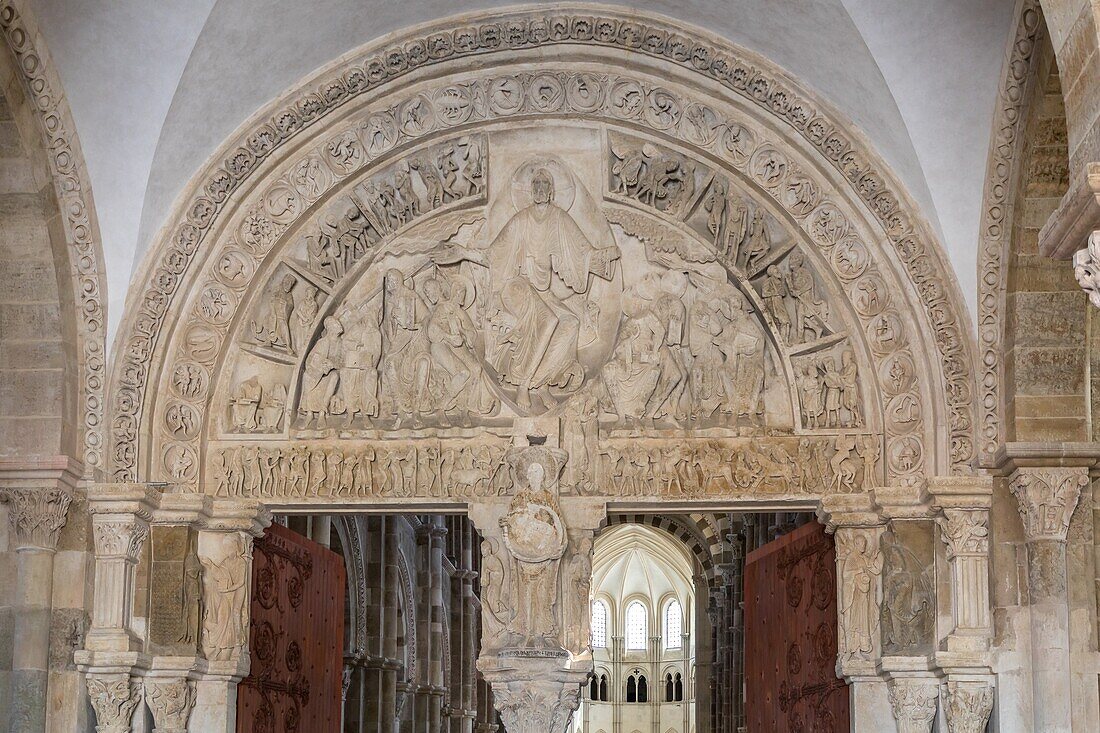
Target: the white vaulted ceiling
(156, 86)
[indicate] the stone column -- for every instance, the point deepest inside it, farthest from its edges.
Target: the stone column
(38, 504)
(113, 653)
(386, 680)
(857, 525)
(438, 538)
(225, 551)
(963, 506)
(1047, 497)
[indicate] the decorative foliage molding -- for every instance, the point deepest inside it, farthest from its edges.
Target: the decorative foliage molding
(74, 198)
(913, 702)
(967, 706)
(1047, 498)
(36, 514)
(749, 79)
(114, 697)
(996, 229)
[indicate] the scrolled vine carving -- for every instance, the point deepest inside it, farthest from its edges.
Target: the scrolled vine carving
(504, 96)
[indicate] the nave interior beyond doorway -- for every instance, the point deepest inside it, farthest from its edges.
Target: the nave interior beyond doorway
(666, 631)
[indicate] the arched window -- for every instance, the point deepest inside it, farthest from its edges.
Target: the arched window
(599, 625)
(597, 688)
(636, 627)
(674, 624)
(669, 688)
(678, 688)
(643, 689)
(631, 689)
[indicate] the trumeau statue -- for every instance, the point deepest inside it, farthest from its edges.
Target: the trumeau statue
(535, 536)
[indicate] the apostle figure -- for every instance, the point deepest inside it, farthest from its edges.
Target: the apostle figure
(321, 374)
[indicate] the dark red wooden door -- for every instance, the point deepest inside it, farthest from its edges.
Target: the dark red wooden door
(296, 637)
(791, 636)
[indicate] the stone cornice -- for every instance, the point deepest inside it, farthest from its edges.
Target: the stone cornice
(1078, 215)
(1022, 455)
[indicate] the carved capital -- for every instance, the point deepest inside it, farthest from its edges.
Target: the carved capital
(1047, 498)
(36, 514)
(114, 697)
(965, 531)
(914, 703)
(535, 706)
(119, 536)
(170, 701)
(1086, 268)
(967, 706)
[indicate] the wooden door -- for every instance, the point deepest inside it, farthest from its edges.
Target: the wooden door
(791, 636)
(296, 637)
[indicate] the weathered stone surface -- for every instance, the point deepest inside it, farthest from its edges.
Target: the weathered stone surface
(175, 579)
(1046, 370)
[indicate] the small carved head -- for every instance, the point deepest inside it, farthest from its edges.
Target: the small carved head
(542, 186)
(288, 282)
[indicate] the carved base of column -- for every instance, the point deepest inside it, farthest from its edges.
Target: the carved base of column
(534, 694)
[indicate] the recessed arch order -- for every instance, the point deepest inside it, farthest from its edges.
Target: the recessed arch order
(715, 197)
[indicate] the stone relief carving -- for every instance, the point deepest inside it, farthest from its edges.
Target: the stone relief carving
(965, 531)
(967, 706)
(771, 171)
(170, 702)
(185, 459)
(1047, 498)
(533, 533)
(633, 467)
(113, 698)
(1086, 268)
(909, 600)
(860, 562)
(36, 515)
(913, 703)
(225, 581)
(387, 469)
